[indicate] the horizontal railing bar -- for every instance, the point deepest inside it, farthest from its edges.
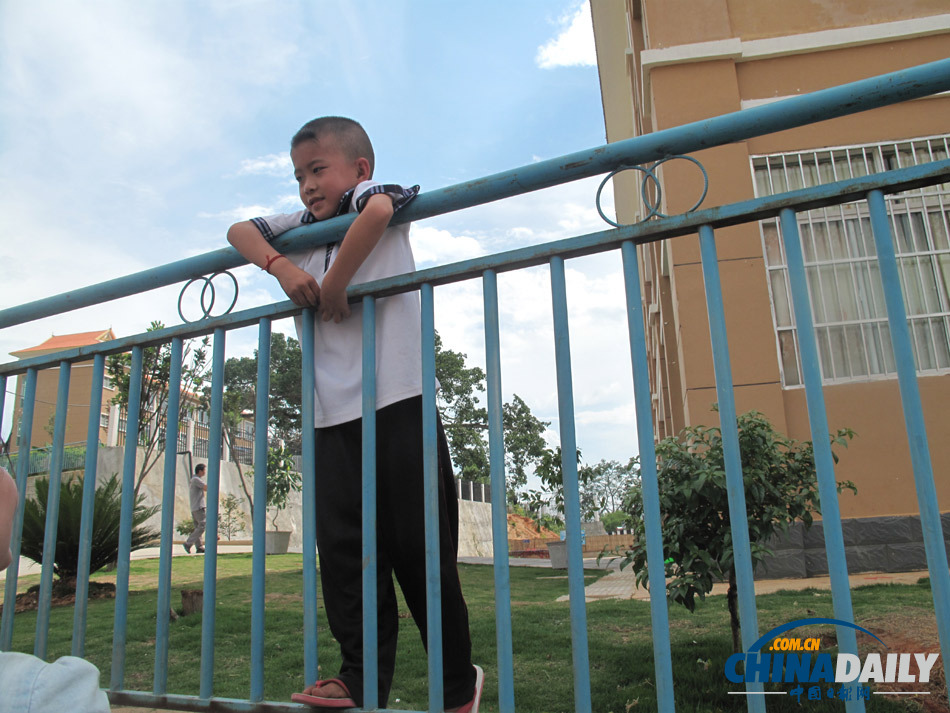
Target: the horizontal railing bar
(651, 231)
(871, 93)
(211, 705)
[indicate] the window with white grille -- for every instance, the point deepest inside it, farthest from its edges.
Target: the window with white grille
(844, 281)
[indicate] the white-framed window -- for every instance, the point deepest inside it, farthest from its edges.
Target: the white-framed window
(841, 266)
(104, 419)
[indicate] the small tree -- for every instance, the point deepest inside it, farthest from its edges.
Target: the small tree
(282, 479)
(107, 511)
(232, 517)
(153, 411)
(780, 488)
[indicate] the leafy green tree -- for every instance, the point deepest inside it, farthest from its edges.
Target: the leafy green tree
(240, 389)
(153, 412)
(608, 481)
(614, 521)
(107, 511)
(240, 398)
(551, 472)
(780, 488)
(524, 444)
(459, 399)
(464, 419)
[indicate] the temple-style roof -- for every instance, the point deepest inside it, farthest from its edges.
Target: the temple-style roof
(65, 341)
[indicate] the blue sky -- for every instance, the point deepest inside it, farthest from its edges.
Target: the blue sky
(133, 134)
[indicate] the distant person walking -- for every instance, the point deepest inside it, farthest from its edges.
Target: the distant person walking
(196, 491)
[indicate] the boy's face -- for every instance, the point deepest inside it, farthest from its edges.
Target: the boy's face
(324, 173)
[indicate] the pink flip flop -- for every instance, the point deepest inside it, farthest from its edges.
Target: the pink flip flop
(472, 705)
(322, 701)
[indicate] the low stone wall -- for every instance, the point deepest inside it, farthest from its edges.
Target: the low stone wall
(872, 544)
(475, 529)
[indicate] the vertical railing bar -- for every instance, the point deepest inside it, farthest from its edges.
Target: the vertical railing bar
(370, 624)
(431, 502)
(572, 506)
(173, 407)
(90, 474)
(215, 434)
(134, 403)
(735, 486)
(824, 460)
(258, 564)
(499, 497)
(52, 513)
(24, 439)
(652, 517)
(308, 454)
(914, 421)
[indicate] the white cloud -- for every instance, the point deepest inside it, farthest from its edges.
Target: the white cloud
(270, 165)
(432, 246)
(574, 46)
(282, 204)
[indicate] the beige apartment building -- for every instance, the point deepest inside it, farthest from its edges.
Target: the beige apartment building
(193, 430)
(665, 63)
(80, 388)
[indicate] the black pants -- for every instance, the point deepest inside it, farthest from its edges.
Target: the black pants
(400, 529)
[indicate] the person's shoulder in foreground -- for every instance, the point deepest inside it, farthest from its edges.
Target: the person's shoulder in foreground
(29, 684)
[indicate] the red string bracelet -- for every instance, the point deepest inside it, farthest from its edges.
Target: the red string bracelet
(270, 260)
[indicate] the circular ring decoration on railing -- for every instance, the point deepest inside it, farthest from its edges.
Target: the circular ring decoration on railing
(207, 296)
(650, 178)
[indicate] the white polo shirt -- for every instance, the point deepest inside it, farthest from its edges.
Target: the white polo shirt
(337, 364)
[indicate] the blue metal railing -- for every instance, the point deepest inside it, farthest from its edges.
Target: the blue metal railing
(838, 101)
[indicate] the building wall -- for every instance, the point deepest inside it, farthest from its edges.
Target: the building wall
(77, 412)
(685, 60)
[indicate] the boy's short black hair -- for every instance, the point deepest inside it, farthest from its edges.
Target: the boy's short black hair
(351, 137)
(198, 468)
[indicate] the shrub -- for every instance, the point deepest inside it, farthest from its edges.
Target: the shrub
(780, 488)
(185, 527)
(105, 526)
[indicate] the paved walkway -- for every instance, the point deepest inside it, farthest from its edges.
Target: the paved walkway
(622, 583)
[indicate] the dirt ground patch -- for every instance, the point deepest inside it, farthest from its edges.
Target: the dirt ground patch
(63, 595)
(914, 632)
(521, 527)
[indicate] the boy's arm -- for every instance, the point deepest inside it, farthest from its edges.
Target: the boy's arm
(358, 243)
(297, 284)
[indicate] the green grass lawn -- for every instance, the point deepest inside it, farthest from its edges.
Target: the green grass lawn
(621, 659)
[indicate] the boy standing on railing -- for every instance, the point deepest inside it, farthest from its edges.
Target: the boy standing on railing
(333, 163)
